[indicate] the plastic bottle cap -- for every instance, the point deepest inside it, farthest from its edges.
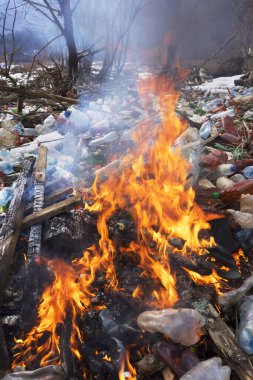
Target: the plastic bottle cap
(216, 195)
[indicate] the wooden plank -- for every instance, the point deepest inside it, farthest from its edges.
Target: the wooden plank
(55, 209)
(51, 198)
(11, 227)
(224, 338)
(41, 164)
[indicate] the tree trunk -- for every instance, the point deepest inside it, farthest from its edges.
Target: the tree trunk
(70, 38)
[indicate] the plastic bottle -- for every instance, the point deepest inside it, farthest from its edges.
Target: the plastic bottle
(210, 369)
(51, 372)
(6, 167)
(228, 112)
(228, 125)
(245, 331)
(181, 325)
(205, 130)
(244, 219)
(234, 192)
(223, 183)
(226, 169)
(231, 139)
(108, 138)
(248, 172)
(213, 159)
(5, 196)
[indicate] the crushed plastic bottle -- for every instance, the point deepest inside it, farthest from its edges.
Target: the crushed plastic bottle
(223, 183)
(226, 169)
(245, 331)
(181, 325)
(110, 137)
(244, 219)
(5, 196)
(211, 369)
(205, 130)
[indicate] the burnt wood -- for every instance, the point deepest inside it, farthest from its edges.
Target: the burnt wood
(51, 211)
(224, 339)
(11, 227)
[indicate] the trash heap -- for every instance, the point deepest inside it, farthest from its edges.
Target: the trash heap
(85, 143)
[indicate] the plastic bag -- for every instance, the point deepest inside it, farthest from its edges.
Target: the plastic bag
(51, 372)
(210, 369)
(181, 325)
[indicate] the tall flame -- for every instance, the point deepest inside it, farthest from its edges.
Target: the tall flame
(151, 184)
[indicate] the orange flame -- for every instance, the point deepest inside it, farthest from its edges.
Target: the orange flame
(127, 371)
(213, 279)
(151, 185)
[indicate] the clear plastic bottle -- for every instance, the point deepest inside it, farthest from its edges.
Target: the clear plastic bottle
(248, 172)
(245, 331)
(205, 130)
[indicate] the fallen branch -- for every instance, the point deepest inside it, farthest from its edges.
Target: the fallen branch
(31, 93)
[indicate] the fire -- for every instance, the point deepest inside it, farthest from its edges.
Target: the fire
(213, 279)
(239, 256)
(127, 372)
(151, 184)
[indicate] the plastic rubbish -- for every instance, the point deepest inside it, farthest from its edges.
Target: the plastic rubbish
(6, 167)
(223, 183)
(79, 120)
(213, 159)
(226, 169)
(244, 220)
(241, 164)
(237, 178)
(231, 139)
(179, 358)
(50, 372)
(188, 136)
(246, 203)
(228, 125)
(234, 192)
(248, 172)
(110, 137)
(181, 325)
(208, 370)
(229, 112)
(5, 196)
(205, 130)
(245, 331)
(206, 184)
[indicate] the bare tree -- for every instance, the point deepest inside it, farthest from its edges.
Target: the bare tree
(60, 13)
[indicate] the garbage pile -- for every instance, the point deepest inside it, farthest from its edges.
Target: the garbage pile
(85, 144)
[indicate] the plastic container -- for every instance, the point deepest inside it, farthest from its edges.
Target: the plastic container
(108, 138)
(211, 369)
(231, 139)
(245, 332)
(226, 169)
(6, 167)
(213, 159)
(244, 219)
(228, 125)
(205, 130)
(248, 172)
(181, 325)
(223, 183)
(5, 196)
(234, 192)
